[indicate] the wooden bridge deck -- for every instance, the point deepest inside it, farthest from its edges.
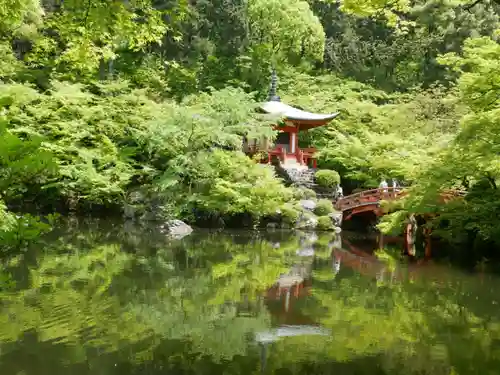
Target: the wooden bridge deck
(369, 200)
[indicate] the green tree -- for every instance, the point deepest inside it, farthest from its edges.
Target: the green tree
(279, 28)
(470, 158)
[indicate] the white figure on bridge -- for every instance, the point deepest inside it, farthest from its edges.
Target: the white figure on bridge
(395, 184)
(383, 185)
(340, 192)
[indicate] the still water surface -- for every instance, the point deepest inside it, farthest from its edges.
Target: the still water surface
(116, 300)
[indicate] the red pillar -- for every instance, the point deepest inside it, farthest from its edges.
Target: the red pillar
(297, 144)
(315, 163)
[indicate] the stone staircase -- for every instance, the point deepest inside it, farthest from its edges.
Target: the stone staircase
(296, 175)
(303, 176)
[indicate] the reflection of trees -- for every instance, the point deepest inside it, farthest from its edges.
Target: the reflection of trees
(67, 313)
(423, 328)
(64, 291)
(192, 306)
(185, 309)
(84, 299)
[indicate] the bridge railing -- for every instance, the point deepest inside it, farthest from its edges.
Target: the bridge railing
(376, 195)
(368, 197)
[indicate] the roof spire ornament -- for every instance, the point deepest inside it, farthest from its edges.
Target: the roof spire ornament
(272, 90)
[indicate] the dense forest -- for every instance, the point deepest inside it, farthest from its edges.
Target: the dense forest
(112, 105)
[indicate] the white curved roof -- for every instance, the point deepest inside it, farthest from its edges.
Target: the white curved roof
(285, 110)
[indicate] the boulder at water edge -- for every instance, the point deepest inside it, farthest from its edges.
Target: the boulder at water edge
(307, 221)
(308, 204)
(176, 229)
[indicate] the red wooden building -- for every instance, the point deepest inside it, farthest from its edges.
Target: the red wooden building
(286, 147)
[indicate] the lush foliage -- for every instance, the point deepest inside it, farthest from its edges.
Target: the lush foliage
(305, 193)
(327, 178)
(230, 183)
(469, 161)
(325, 223)
(107, 106)
(97, 148)
(323, 207)
(24, 165)
(289, 214)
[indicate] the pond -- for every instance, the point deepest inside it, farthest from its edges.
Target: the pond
(112, 299)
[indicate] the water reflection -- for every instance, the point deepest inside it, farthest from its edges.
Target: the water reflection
(109, 300)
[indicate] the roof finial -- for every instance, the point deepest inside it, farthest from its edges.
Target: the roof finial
(272, 90)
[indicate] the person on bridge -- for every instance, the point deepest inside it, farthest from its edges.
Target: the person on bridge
(395, 185)
(340, 192)
(383, 185)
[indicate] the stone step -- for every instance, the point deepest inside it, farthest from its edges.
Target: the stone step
(301, 177)
(298, 175)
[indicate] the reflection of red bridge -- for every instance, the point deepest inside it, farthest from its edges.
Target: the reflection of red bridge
(369, 265)
(288, 290)
(364, 263)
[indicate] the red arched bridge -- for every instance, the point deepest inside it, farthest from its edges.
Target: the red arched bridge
(369, 200)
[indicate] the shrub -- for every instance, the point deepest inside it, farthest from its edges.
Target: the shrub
(324, 207)
(305, 221)
(229, 183)
(325, 223)
(327, 178)
(304, 193)
(289, 215)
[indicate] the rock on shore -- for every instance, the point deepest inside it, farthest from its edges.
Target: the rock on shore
(176, 229)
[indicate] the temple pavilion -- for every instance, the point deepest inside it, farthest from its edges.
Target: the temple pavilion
(295, 122)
